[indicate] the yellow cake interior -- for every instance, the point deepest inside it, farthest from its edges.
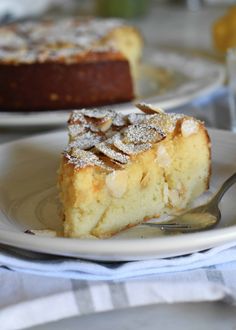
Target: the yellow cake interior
(129, 42)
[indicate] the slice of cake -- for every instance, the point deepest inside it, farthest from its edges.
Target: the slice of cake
(67, 64)
(119, 171)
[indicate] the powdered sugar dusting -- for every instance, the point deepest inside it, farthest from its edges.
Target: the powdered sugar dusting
(143, 133)
(103, 137)
(81, 159)
(51, 40)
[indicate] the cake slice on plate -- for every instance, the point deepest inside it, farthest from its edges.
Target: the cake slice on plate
(120, 170)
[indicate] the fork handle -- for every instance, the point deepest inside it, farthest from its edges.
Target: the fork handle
(225, 186)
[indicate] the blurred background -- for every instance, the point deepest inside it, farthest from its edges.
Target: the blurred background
(12, 9)
(175, 23)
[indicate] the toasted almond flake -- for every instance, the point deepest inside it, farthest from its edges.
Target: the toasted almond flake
(95, 113)
(116, 183)
(136, 118)
(165, 193)
(107, 150)
(189, 127)
(143, 133)
(82, 158)
(163, 158)
(149, 109)
(75, 130)
(130, 148)
(103, 127)
(86, 141)
(174, 197)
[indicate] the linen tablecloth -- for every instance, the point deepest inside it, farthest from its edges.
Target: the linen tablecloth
(42, 289)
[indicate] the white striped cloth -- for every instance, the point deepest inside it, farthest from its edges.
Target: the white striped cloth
(36, 299)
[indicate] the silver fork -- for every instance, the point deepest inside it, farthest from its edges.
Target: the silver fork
(200, 218)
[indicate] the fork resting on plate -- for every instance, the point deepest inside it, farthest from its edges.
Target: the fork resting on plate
(200, 218)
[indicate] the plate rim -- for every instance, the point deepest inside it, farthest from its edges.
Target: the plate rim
(106, 250)
(94, 249)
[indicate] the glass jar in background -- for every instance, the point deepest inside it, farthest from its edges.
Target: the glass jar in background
(231, 71)
(224, 30)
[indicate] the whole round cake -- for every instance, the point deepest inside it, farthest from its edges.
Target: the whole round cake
(67, 64)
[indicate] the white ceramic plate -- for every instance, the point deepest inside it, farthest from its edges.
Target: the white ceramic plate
(28, 200)
(166, 79)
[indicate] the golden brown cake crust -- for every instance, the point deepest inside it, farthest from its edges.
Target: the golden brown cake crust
(49, 86)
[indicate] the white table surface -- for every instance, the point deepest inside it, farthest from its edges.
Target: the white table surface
(172, 27)
(197, 316)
